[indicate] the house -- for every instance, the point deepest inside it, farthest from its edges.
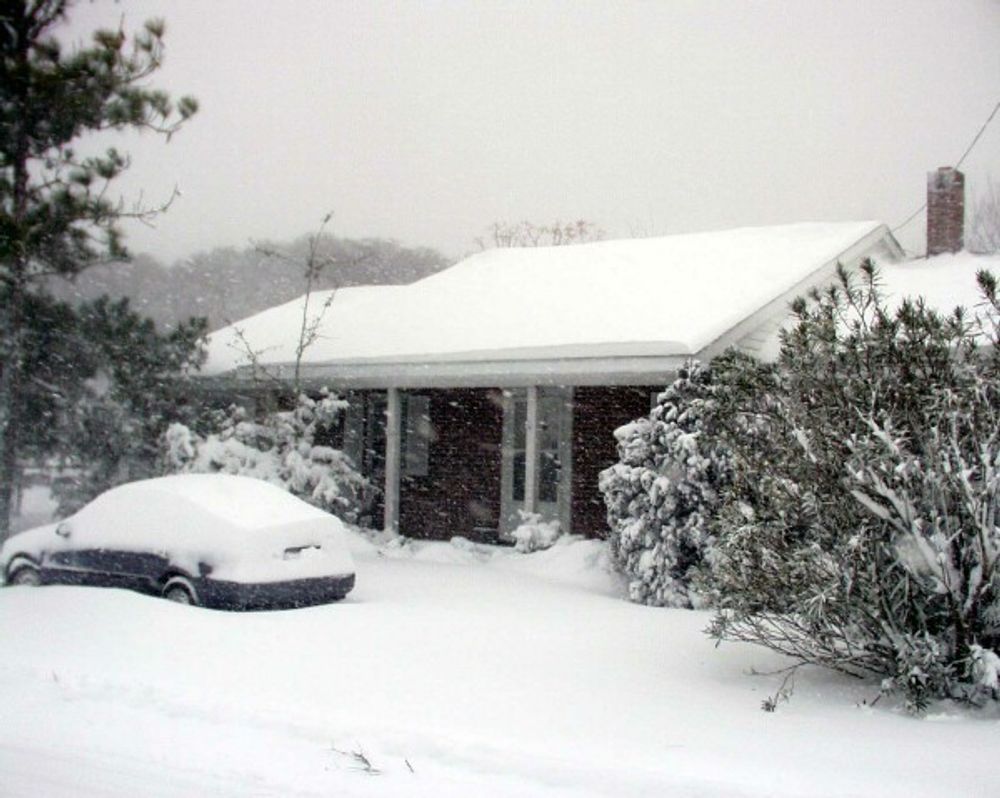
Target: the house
(494, 385)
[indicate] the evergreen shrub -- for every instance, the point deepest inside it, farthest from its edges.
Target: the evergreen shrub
(861, 528)
(662, 492)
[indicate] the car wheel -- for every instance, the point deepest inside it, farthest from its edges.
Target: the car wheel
(180, 590)
(26, 575)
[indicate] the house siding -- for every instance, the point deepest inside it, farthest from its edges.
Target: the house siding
(597, 413)
(460, 495)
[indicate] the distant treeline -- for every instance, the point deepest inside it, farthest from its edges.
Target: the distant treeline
(228, 284)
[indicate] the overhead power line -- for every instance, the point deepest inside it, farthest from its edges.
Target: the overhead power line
(965, 155)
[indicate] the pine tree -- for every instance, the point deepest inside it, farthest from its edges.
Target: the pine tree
(55, 217)
(138, 384)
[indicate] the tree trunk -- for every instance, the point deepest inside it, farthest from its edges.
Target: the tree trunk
(12, 317)
(11, 386)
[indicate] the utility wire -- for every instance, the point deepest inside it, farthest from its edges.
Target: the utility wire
(979, 135)
(965, 155)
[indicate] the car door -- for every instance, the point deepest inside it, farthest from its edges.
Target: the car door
(133, 570)
(64, 562)
(84, 560)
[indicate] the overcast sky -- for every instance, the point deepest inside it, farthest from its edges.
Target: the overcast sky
(427, 121)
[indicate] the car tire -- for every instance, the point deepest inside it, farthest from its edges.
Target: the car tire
(24, 575)
(180, 590)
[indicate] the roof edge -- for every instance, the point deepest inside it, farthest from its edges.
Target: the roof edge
(649, 369)
(778, 306)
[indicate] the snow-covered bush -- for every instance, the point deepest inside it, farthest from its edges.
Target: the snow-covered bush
(279, 448)
(861, 530)
(662, 492)
(534, 534)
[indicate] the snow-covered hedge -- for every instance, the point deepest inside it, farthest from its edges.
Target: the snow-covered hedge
(862, 531)
(663, 491)
(279, 448)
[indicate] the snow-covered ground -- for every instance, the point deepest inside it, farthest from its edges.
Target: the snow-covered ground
(452, 670)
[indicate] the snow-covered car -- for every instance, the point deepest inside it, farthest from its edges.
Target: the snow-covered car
(214, 540)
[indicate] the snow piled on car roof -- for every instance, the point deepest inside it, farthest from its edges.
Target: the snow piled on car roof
(241, 527)
(241, 501)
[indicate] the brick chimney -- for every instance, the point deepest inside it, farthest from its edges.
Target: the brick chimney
(945, 210)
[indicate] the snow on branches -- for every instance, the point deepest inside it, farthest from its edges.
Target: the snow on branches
(662, 491)
(861, 530)
(280, 448)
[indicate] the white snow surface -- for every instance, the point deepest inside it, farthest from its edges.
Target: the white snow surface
(945, 281)
(238, 525)
(677, 292)
(453, 670)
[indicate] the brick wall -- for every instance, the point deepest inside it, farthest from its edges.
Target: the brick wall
(597, 412)
(945, 210)
(461, 493)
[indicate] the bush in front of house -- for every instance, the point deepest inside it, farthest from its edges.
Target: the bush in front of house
(279, 448)
(663, 491)
(861, 529)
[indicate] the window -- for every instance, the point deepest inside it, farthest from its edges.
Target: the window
(417, 434)
(548, 448)
(364, 434)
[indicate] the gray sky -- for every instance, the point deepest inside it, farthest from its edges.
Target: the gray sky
(426, 121)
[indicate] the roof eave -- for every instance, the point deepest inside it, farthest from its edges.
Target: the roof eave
(481, 373)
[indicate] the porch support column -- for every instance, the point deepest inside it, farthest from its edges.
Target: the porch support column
(393, 452)
(531, 452)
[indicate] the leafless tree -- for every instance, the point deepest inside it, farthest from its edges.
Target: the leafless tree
(527, 234)
(313, 312)
(984, 226)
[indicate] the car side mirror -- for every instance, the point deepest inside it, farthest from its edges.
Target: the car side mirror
(64, 529)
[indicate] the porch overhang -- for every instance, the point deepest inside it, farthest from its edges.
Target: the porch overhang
(475, 373)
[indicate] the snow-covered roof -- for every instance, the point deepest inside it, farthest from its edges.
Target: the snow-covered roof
(509, 314)
(944, 281)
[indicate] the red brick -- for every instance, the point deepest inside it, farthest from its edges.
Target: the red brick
(461, 493)
(945, 211)
(597, 413)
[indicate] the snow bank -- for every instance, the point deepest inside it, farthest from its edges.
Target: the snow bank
(501, 675)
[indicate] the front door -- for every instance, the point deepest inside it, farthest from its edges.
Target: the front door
(555, 417)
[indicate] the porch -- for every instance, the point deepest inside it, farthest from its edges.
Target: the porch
(467, 461)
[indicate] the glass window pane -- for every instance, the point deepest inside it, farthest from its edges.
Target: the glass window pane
(518, 487)
(520, 420)
(550, 409)
(548, 477)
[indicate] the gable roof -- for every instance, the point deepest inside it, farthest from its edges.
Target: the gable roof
(605, 312)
